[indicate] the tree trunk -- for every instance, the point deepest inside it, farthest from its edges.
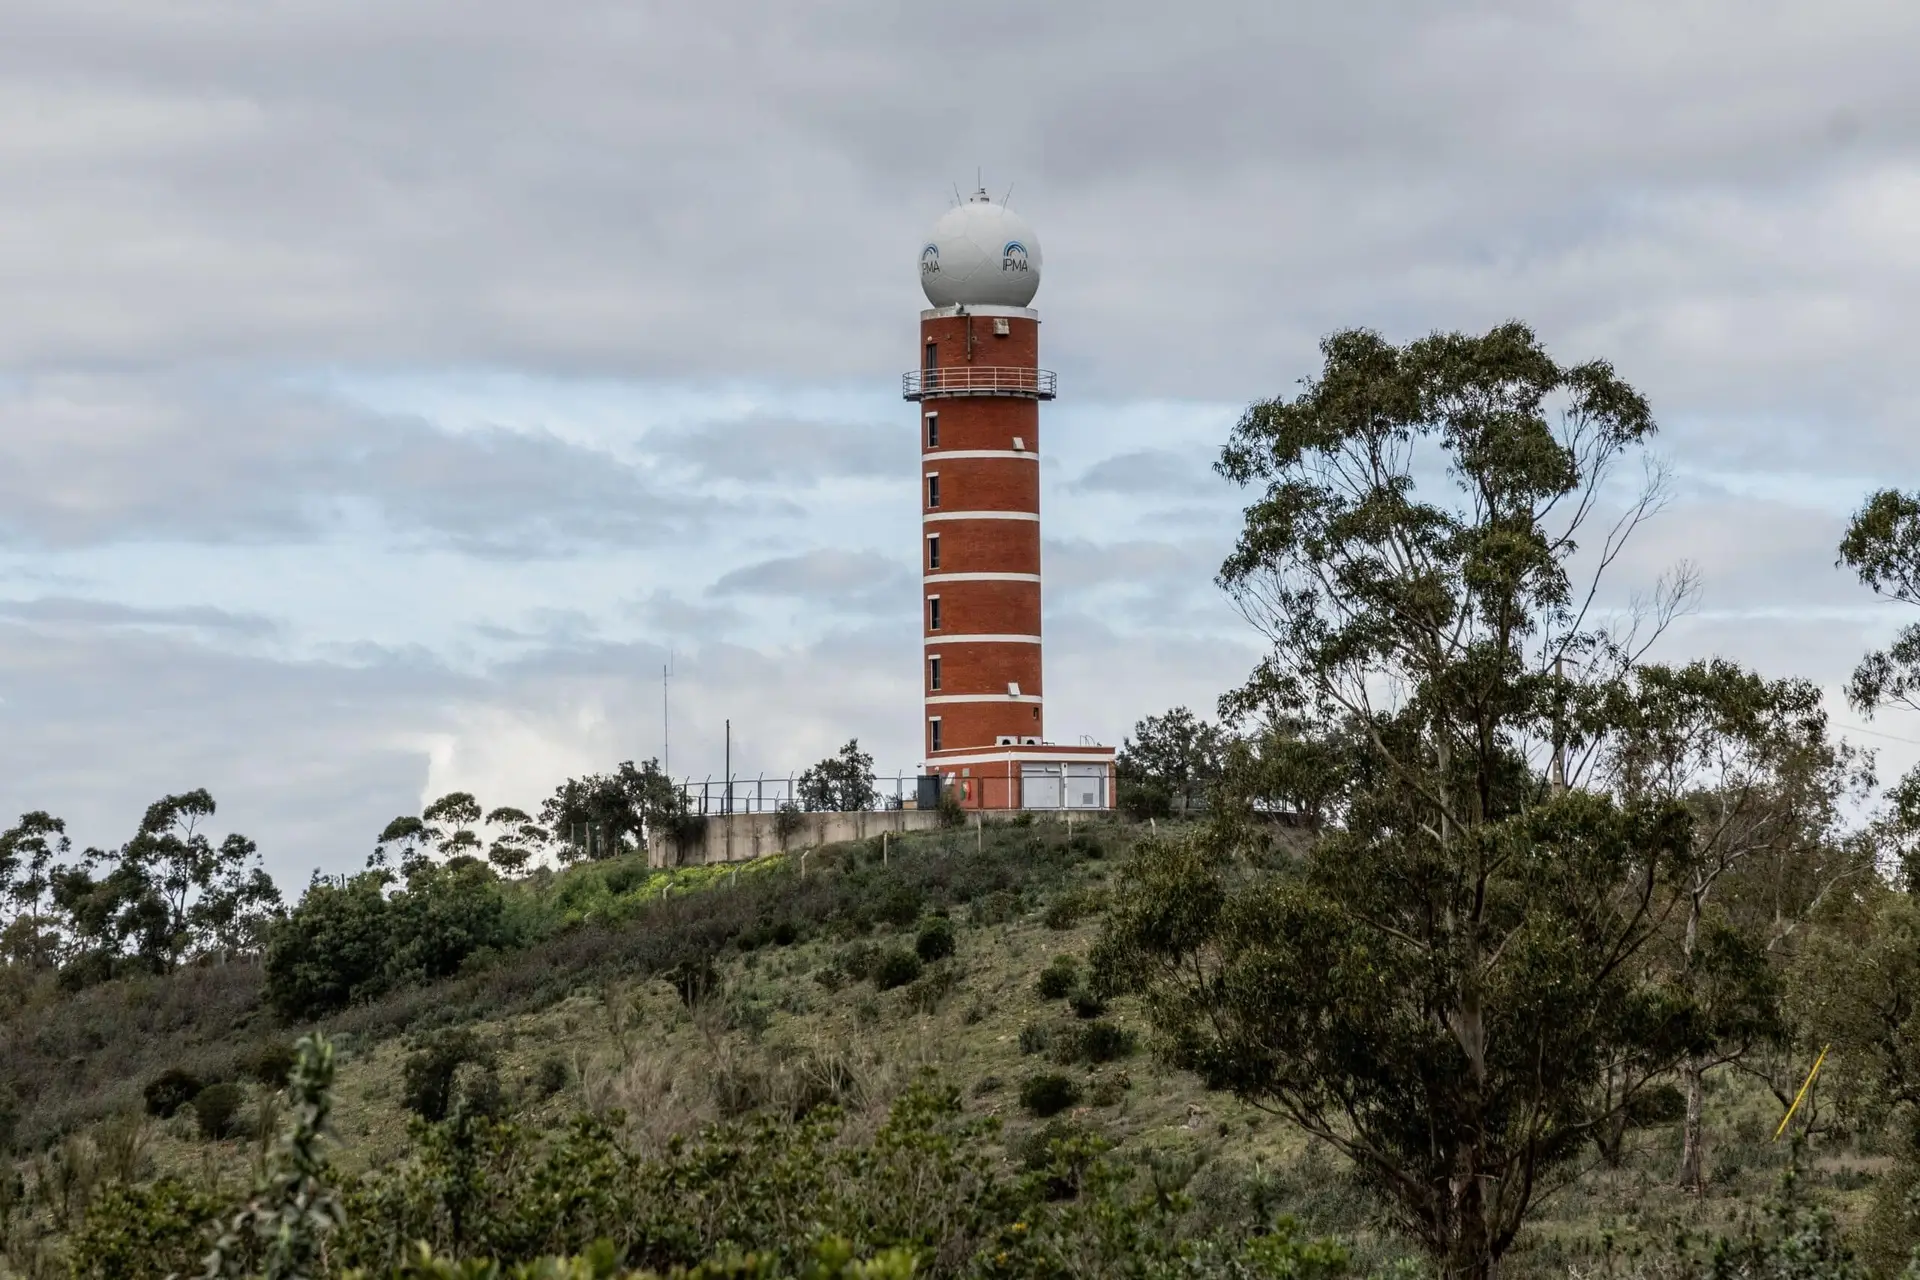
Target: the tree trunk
(1692, 1138)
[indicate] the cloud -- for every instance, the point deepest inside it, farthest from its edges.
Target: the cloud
(88, 460)
(789, 452)
(87, 615)
(842, 582)
(1148, 473)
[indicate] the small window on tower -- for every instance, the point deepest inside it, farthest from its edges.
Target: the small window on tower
(933, 489)
(933, 733)
(933, 551)
(933, 431)
(933, 613)
(933, 673)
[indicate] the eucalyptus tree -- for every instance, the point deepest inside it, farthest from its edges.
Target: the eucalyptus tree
(1455, 986)
(1766, 788)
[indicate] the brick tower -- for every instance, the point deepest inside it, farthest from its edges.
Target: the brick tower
(979, 385)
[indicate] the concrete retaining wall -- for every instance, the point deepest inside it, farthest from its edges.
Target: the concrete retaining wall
(742, 837)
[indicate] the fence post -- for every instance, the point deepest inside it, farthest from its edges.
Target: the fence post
(979, 833)
(883, 848)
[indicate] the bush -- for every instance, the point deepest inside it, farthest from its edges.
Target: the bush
(271, 1063)
(1085, 1004)
(1059, 979)
(898, 904)
(152, 1230)
(951, 814)
(551, 1076)
(935, 941)
(895, 967)
(1036, 1037)
(1048, 1095)
(171, 1090)
(1093, 1043)
(427, 1078)
(788, 822)
(1067, 910)
(331, 950)
(216, 1108)
(995, 907)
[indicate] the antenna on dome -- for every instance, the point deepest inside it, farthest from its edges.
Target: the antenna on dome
(1006, 201)
(956, 194)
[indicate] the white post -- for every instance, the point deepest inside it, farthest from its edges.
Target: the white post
(883, 848)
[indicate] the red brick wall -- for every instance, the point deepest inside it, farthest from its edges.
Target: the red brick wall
(984, 546)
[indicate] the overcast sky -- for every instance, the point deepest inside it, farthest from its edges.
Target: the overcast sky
(386, 388)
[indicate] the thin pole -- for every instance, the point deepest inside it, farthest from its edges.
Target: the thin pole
(666, 727)
(726, 803)
(1803, 1093)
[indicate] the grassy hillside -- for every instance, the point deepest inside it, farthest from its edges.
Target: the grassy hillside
(664, 1003)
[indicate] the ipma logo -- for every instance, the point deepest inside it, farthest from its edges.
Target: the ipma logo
(1013, 257)
(930, 260)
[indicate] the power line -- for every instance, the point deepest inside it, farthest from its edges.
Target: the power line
(1891, 737)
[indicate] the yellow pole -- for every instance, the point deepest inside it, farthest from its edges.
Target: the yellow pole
(1802, 1094)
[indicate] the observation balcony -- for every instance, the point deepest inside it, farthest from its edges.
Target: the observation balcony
(978, 380)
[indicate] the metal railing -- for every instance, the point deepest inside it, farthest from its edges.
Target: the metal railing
(761, 793)
(978, 380)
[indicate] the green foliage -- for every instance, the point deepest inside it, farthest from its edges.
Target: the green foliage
(1168, 764)
(281, 1232)
(1048, 1094)
(1059, 979)
(1068, 909)
(216, 1109)
(608, 815)
(158, 1229)
(271, 1063)
(841, 783)
(332, 949)
(430, 1074)
(1402, 991)
(347, 941)
(935, 939)
(167, 894)
(895, 967)
(171, 1090)
(1882, 546)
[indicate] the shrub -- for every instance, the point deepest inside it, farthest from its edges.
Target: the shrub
(951, 814)
(171, 1090)
(152, 1230)
(1036, 1037)
(1085, 1004)
(1048, 1094)
(935, 941)
(1104, 1042)
(271, 1063)
(216, 1109)
(895, 967)
(427, 1077)
(331, 950)
(551, 1076)
(898, 904)
(1108, 1090)
(1059, 979)
(929, 992)
(788, 822)
(1067, 910)
(995, 907)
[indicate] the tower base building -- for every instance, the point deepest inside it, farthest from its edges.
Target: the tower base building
(978, 386)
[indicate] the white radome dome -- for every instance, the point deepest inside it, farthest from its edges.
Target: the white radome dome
(980, 254)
